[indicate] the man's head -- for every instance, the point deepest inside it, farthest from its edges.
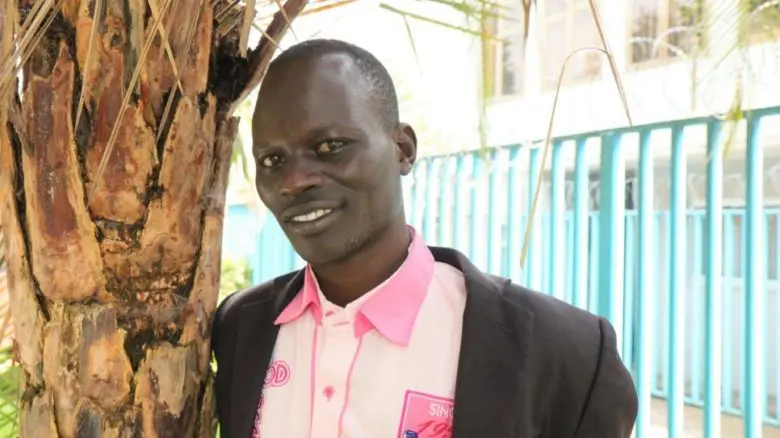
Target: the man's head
(330, 150)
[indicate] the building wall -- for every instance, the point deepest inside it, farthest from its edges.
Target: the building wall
(657, 90)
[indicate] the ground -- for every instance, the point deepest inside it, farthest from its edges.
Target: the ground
(732, 427)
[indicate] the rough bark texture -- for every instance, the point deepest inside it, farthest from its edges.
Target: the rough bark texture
(114, 276)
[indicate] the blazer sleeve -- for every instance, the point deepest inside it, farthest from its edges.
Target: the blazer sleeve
(611, 407)
(222, 336)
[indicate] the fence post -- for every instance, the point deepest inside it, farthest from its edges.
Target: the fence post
(646, 296)
(612, 223)
(678, 273)
(713, 283)
(755, 305)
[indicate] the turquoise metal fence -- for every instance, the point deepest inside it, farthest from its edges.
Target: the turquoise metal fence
(690, 280)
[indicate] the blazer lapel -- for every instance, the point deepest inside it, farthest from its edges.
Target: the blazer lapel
(254, 347)
(491, 379)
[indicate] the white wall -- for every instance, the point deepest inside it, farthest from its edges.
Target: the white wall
(655, 92)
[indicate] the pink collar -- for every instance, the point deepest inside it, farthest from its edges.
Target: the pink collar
(391, 308)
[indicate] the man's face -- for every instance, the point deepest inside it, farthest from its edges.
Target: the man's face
(328, 166)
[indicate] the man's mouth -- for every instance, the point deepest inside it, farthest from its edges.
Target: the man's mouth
(311, 216)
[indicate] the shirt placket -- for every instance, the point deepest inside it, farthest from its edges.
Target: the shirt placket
(338, 347)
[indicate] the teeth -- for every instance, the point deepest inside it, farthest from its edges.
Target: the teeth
(314, 215)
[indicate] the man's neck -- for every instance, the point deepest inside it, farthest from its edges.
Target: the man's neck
(349, 279)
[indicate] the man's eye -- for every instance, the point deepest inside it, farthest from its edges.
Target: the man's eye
(330, 146)
(271, 161)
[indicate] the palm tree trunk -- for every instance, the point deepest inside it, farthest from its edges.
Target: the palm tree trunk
(112, 206)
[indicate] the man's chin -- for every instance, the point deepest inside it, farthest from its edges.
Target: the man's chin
(313, 252)
(323, 251)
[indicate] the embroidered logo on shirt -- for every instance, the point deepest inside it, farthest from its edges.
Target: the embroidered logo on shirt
(278, 374)
(426, 415)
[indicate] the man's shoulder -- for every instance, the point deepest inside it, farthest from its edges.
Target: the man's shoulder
(555, 320)
(230, 306)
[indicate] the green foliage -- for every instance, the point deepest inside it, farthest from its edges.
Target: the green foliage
(236, 275)
(9, 395)
(2, 252)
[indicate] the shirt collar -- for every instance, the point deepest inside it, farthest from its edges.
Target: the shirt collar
(391, 308)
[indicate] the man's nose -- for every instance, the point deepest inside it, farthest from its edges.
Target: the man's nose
(300, 176)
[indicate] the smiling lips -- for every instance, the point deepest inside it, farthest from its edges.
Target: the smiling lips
(311, 216)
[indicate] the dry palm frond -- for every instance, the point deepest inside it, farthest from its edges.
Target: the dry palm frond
(547, 142)
(38, 21)
(126, 101)
(157, 15)
(287, 19)
(187, 45)
(93, 31)
(258, 58)
(246, 26)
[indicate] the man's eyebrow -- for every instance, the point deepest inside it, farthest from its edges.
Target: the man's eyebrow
(325, 130)
(261, 146)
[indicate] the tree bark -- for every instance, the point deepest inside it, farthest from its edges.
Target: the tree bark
(114, 264)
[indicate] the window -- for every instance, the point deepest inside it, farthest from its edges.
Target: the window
(506, 51)
(664, 29)
(568, 25)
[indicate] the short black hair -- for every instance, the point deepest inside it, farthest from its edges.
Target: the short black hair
(378, 78)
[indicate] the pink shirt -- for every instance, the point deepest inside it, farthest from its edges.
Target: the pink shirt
(383, 366)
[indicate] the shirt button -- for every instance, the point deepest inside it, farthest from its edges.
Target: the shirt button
(328, 392)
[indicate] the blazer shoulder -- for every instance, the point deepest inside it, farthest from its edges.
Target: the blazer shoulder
(558, 322)
(230, 305)
(227, 313)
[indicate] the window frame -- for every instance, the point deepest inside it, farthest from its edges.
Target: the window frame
(662, 25)
(567, 15)
(493, 54)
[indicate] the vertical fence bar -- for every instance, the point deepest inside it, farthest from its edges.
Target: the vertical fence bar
(663, 284)
(629, 288)
(420, 187)
(612, 213)
(514, 225)
(712, 265)
(727, 379)
(581, 200)
(646, 295)
(593, 268)
(533, 260)
(776, 340)
(414, 187)
(406, 185)
(475, 215)
(444, 232)
(461, 181)
(677, 278)
(755, 286)
(557, 230)
(569, 245)
(741, 306)
(432, 191)
(657, 324)
(697, 311)
(494, 241)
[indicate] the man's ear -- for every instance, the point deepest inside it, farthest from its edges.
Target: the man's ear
(406, 142)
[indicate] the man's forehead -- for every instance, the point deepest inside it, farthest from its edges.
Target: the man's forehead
(322, 88)
(335, 71)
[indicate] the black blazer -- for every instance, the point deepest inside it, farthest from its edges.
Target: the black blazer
(530, 366)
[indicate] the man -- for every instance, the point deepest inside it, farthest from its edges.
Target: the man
(381, 336)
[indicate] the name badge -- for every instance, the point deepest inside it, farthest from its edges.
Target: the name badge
(426, 415)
